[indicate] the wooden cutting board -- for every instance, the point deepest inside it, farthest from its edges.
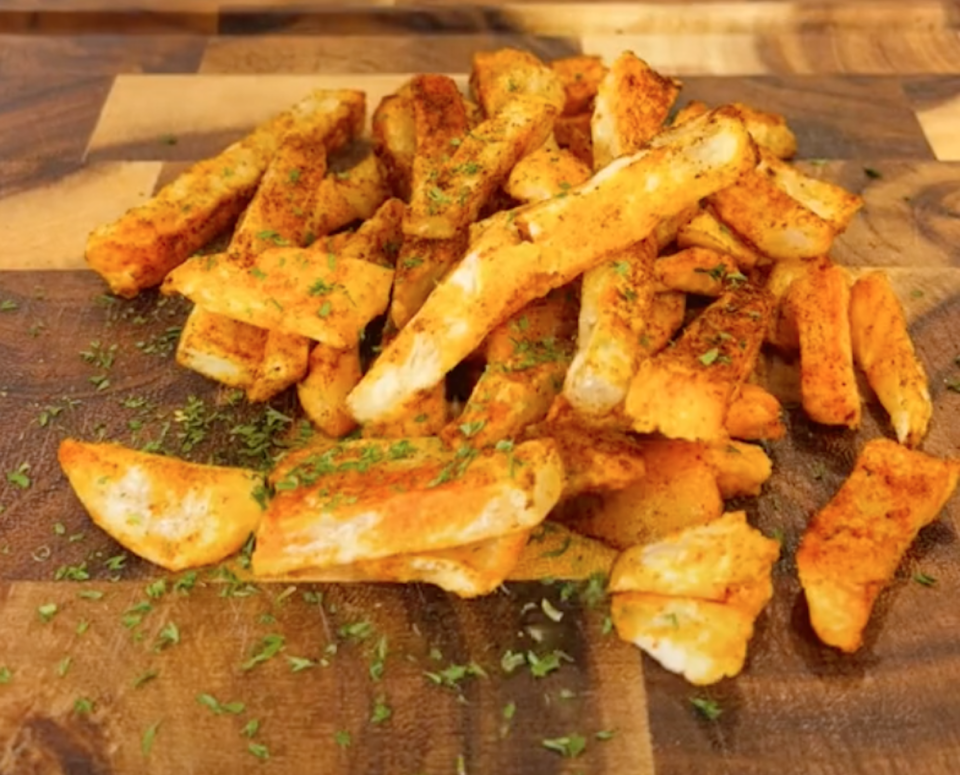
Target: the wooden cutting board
(98, 108)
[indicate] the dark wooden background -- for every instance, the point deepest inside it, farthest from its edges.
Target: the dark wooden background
(99, 107)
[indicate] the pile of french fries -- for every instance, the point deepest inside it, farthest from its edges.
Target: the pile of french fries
(605, 277)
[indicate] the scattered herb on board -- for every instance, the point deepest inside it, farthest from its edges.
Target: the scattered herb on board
(569, 746)
(149, 735)
(707, 708)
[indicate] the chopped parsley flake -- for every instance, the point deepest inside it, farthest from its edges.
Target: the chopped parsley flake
(709, 709)
(569, 746)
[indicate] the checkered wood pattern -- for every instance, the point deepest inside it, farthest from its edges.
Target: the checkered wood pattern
(90, 98)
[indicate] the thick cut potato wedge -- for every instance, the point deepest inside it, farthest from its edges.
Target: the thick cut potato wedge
(819, 302)
(725, 561)
(703, 230)
(834, 204)
(547, 172)
(755, 414)
(440, 119)
(420, 266)
(553, 551)
(667, 311)
(377, 241)
(616, 301)
(138, 250)
(493, 282)
(701, 640)
(684, 392)
(173, 513)
(768, 130)
(668, 229)
(678, 490)
(467, 571)
(478, 166)
(222, 349)
(853, 546)
(782, 332)
(882, 348)
(331, 375)
(394, 133)
(291, 290)
(500, 77)
(349, 504)
(345, 197)
(527, 357)
(741, 469)
(581, 76)
(694, 270)
(285, 361)
(693, 109)
(572, 133)
(631, 106)
(426, 414)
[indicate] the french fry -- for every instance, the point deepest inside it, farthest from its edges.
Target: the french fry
(741, 469)
(755, 414)
(285, 361)
(678, 490)
(581, 76)
(769, 131)
(467, 571)
(289, 289)
(572, 133)
(395, 140)
(835, 205)
(477, 167)
(138, 250)
(693, 109)
(331, 375)
(222, 349)
(882, 348)
(782, 332)
(852, 547)
(684, 392)
(667, 311)
(668, 229)
(596, 460)
(703, 230)
(173, 513)
(440, 119)
(426, 414)
(490, 284)
(632, 103)
(500, 77)
(345, 197)
(526, 359)
(694, 270)
(420, 266)
(553, 551)
(545, 173)
(819, 302)
(400, 501)
(616, 300)
(377, 241)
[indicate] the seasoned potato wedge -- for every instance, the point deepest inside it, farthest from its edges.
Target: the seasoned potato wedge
(572, 133)
(420, 266)
(173, 513)
(693, 109)
(782, 332)
(632, 103)
(376, 241)
(289, 289)
(853, 546)
(345, 197)
(331, 376)
(741, 469)
(835, 205)
(220, 348)
(395, 140)
(500, 77)
(699, 639)
(581, 76)
(284, 363)
(678, 490)
(477, 167)
(616, 301)
(755, 414)
(467, 571)
(553, 551)
(667, 311)
(138, 250)
(425, 414)
(882, 348)
(694, 270)
(545, 173)
(668, 228)
(703, 230)
(684, 391)
(349, 504)
(440, 119)
(819, 302)
(769, 131)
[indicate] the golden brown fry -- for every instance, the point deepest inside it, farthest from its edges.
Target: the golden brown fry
(581, 76)
(138, 250)
(220, 348)
(526, 359)
(853, 546)
(616, 300)
(835, 205)
(819, 302)
(420, 266)
(173, 513)
(755, 414)
(377, 240)
(882, 348)
(426, 414)
(345, 197)
(284, 363)
(367, 500)
(632, 103)
(573, 134)
(289, 289)
(782, 332)
(693, 109)
(395, 140)
(684, 391)
(666, 317)
(769, 131)
(703, 230)
(440, 118)
(477, 168)
(547, 172)
(694, 270)
(331, 376)
(741, 469)
(500, 77)
(678, 490)
(668, 229)
(553, 551)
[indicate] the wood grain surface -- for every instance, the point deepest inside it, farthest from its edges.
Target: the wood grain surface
(98, 107)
